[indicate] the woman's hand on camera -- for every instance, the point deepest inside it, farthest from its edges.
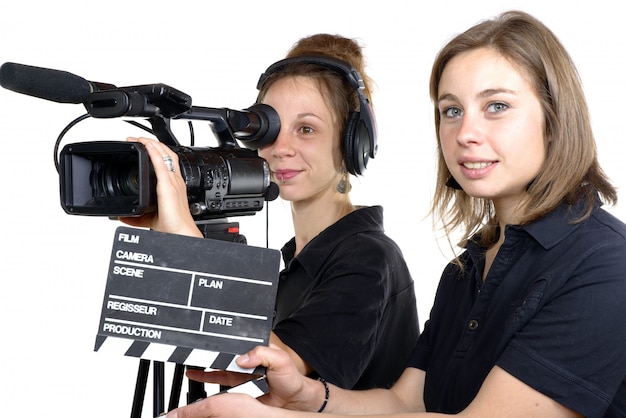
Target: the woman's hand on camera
(173, 215)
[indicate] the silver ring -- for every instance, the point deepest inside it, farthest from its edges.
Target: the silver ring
(169, 163)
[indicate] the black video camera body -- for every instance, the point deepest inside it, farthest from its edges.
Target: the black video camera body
(107, 178)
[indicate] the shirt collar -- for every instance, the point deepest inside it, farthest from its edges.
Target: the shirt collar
(553, 228)
(549, 230)
(313, 255)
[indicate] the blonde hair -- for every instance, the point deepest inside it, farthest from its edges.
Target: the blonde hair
(571, 170)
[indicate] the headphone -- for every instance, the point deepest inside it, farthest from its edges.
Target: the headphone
(359, 140)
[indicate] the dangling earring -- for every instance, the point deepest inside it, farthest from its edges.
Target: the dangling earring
(343, 182)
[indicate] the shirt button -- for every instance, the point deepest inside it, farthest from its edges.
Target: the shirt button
(472, 324)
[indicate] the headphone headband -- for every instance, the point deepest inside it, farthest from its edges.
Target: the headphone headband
(332, 63)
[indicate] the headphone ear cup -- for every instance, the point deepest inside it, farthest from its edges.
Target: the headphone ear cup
(350, 144)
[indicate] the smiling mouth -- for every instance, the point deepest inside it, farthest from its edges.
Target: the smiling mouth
(476, 165)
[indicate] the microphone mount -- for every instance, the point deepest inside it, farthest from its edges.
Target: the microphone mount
(159, 103)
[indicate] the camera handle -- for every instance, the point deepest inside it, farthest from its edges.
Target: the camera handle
(214, 229)
(161, 127)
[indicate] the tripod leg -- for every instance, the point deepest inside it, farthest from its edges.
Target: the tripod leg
(159, 388)
(140, 388)
(177, 382)
(196, 389)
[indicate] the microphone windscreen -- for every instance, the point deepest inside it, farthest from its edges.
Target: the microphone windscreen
(272, 192)
(57, 86)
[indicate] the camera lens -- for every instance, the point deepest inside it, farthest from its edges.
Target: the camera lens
(114, 180)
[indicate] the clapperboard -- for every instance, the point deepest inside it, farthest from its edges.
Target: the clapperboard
(192, 301)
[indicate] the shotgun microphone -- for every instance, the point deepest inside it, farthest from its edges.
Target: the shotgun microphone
(44, 83)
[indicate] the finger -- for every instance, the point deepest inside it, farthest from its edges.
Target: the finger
(262, 356)
(225, 378)
(164, 160)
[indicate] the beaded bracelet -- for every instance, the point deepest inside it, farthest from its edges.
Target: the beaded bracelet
(321, 379)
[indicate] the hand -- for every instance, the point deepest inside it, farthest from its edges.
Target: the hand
(226, 405)
(173, 215)
(288, 388)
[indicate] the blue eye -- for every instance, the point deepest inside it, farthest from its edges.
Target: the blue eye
(497, 107)
(452, 112)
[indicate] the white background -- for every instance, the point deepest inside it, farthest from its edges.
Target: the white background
(53, 266)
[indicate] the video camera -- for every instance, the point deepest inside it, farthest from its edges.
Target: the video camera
(116, 178)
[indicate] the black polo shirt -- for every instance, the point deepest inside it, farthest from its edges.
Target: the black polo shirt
(552, 312)
(346, 304)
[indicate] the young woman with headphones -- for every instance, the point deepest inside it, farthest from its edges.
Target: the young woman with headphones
(345, 291)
